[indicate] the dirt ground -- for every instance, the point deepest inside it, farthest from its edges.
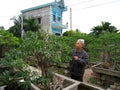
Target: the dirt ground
(88, 74)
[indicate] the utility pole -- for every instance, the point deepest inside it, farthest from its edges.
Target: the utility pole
(21, 24)
(22, 30)
(70, 18)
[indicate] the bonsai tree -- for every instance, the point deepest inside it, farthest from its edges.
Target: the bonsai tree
(111, 49)
(43, 50)
(106, 48)
(15, 70)
(38, 49)
(29, 24)
(12, 66)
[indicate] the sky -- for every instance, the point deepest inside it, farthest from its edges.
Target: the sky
(85, 13)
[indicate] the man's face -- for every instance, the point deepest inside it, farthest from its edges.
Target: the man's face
(78, 45)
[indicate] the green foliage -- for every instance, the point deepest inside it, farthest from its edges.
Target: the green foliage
(71, 33)
(29, 24)
(93, 80)
(2, 28)
(105, 27)
(10, 79)
(17, 71)
(44, 49)
(107, 42)
(65, 48)
(4, 80)
(7, 38)
(48, 48)
(15, 30)
(42, 80)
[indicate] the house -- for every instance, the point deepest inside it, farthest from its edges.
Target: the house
(49, 16)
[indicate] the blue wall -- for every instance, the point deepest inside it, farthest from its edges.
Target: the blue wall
(56, 18)
(56, 30)
(58, 14)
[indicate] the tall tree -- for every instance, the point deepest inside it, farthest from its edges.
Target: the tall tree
(29, 24)
(105, 27)
(2, 28)
(71, 33)
(16, 28)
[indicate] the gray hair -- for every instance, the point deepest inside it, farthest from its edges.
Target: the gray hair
(82, 41)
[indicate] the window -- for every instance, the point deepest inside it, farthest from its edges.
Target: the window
(54, 18)
(59, 19)
(39, 20)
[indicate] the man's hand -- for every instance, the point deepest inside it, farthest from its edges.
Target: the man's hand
(75, 57)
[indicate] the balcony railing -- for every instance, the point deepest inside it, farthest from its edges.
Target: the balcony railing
(58, 25)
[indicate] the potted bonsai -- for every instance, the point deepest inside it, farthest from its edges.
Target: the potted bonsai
(108, 70)
(16, 71)
(44, 50)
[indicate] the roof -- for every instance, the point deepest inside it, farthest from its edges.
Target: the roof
(38, 7)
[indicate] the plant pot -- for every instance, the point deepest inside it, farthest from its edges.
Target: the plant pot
(2, 87)
(105, 76)
(85, 86)
(6, 88)
(70, 84)
(63, 83)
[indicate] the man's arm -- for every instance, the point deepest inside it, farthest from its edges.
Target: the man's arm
(84, 59)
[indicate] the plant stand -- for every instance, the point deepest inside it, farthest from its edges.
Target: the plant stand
(74, 84)
(85, 86)
(106, 74)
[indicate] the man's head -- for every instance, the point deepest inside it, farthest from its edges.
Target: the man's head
(79, 44)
